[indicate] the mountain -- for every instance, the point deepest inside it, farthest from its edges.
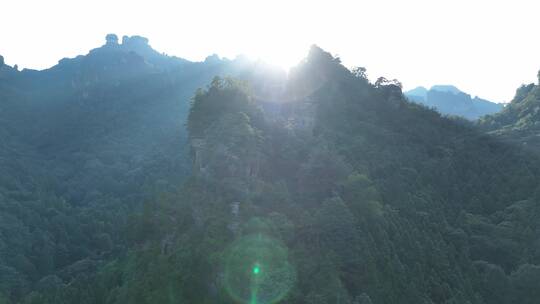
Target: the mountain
(418, 93)
(105, 112)
(446, 88)
(315, 186)
(449, 100)
(334, 190)
(84, 144)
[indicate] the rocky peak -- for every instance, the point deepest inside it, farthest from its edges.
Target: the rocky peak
(214, 58)
(111, 39)
(134, 41)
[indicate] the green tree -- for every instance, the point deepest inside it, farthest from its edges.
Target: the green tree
(525, 283)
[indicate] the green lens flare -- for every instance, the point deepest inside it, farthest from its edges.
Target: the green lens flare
(257, 270)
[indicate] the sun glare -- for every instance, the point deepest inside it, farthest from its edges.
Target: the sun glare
(279, 59)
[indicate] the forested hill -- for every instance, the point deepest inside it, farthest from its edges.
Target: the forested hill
(82, 146)
(320, 187)
(374, 199)
(519, 121)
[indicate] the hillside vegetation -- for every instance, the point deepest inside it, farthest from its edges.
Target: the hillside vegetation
(312, 187)
(519, 121)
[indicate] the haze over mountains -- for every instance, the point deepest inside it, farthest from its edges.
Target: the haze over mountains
(449, 100)
(129, 176)
(78, 139)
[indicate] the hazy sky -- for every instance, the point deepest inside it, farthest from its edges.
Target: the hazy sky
(487, 48)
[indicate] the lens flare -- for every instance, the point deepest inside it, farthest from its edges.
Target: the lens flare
(257, 270)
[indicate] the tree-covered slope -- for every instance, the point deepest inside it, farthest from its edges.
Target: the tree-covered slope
(519, 121)
(83, 145)
(334, 190)
(318, 187)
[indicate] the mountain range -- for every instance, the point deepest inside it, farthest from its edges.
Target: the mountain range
(130, 176)
(449, 100)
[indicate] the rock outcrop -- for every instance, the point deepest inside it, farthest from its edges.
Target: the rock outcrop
(134, 41)
(111, 39)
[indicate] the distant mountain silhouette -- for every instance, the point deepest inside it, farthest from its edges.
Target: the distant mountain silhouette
(446, 88)
(419, 93)
(449, 100)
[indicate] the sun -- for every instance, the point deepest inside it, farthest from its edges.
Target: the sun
(280, 57)
(283, 60)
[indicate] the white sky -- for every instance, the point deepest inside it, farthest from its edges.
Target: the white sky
(486, 48)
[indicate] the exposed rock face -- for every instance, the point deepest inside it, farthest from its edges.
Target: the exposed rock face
(198, 146)
(134, 41)
(234, 225)
(300, 116)
(111, 39)
(5, 70)
(140, 46)
(127, 42)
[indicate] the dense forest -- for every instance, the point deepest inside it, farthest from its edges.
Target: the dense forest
(129, 176)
